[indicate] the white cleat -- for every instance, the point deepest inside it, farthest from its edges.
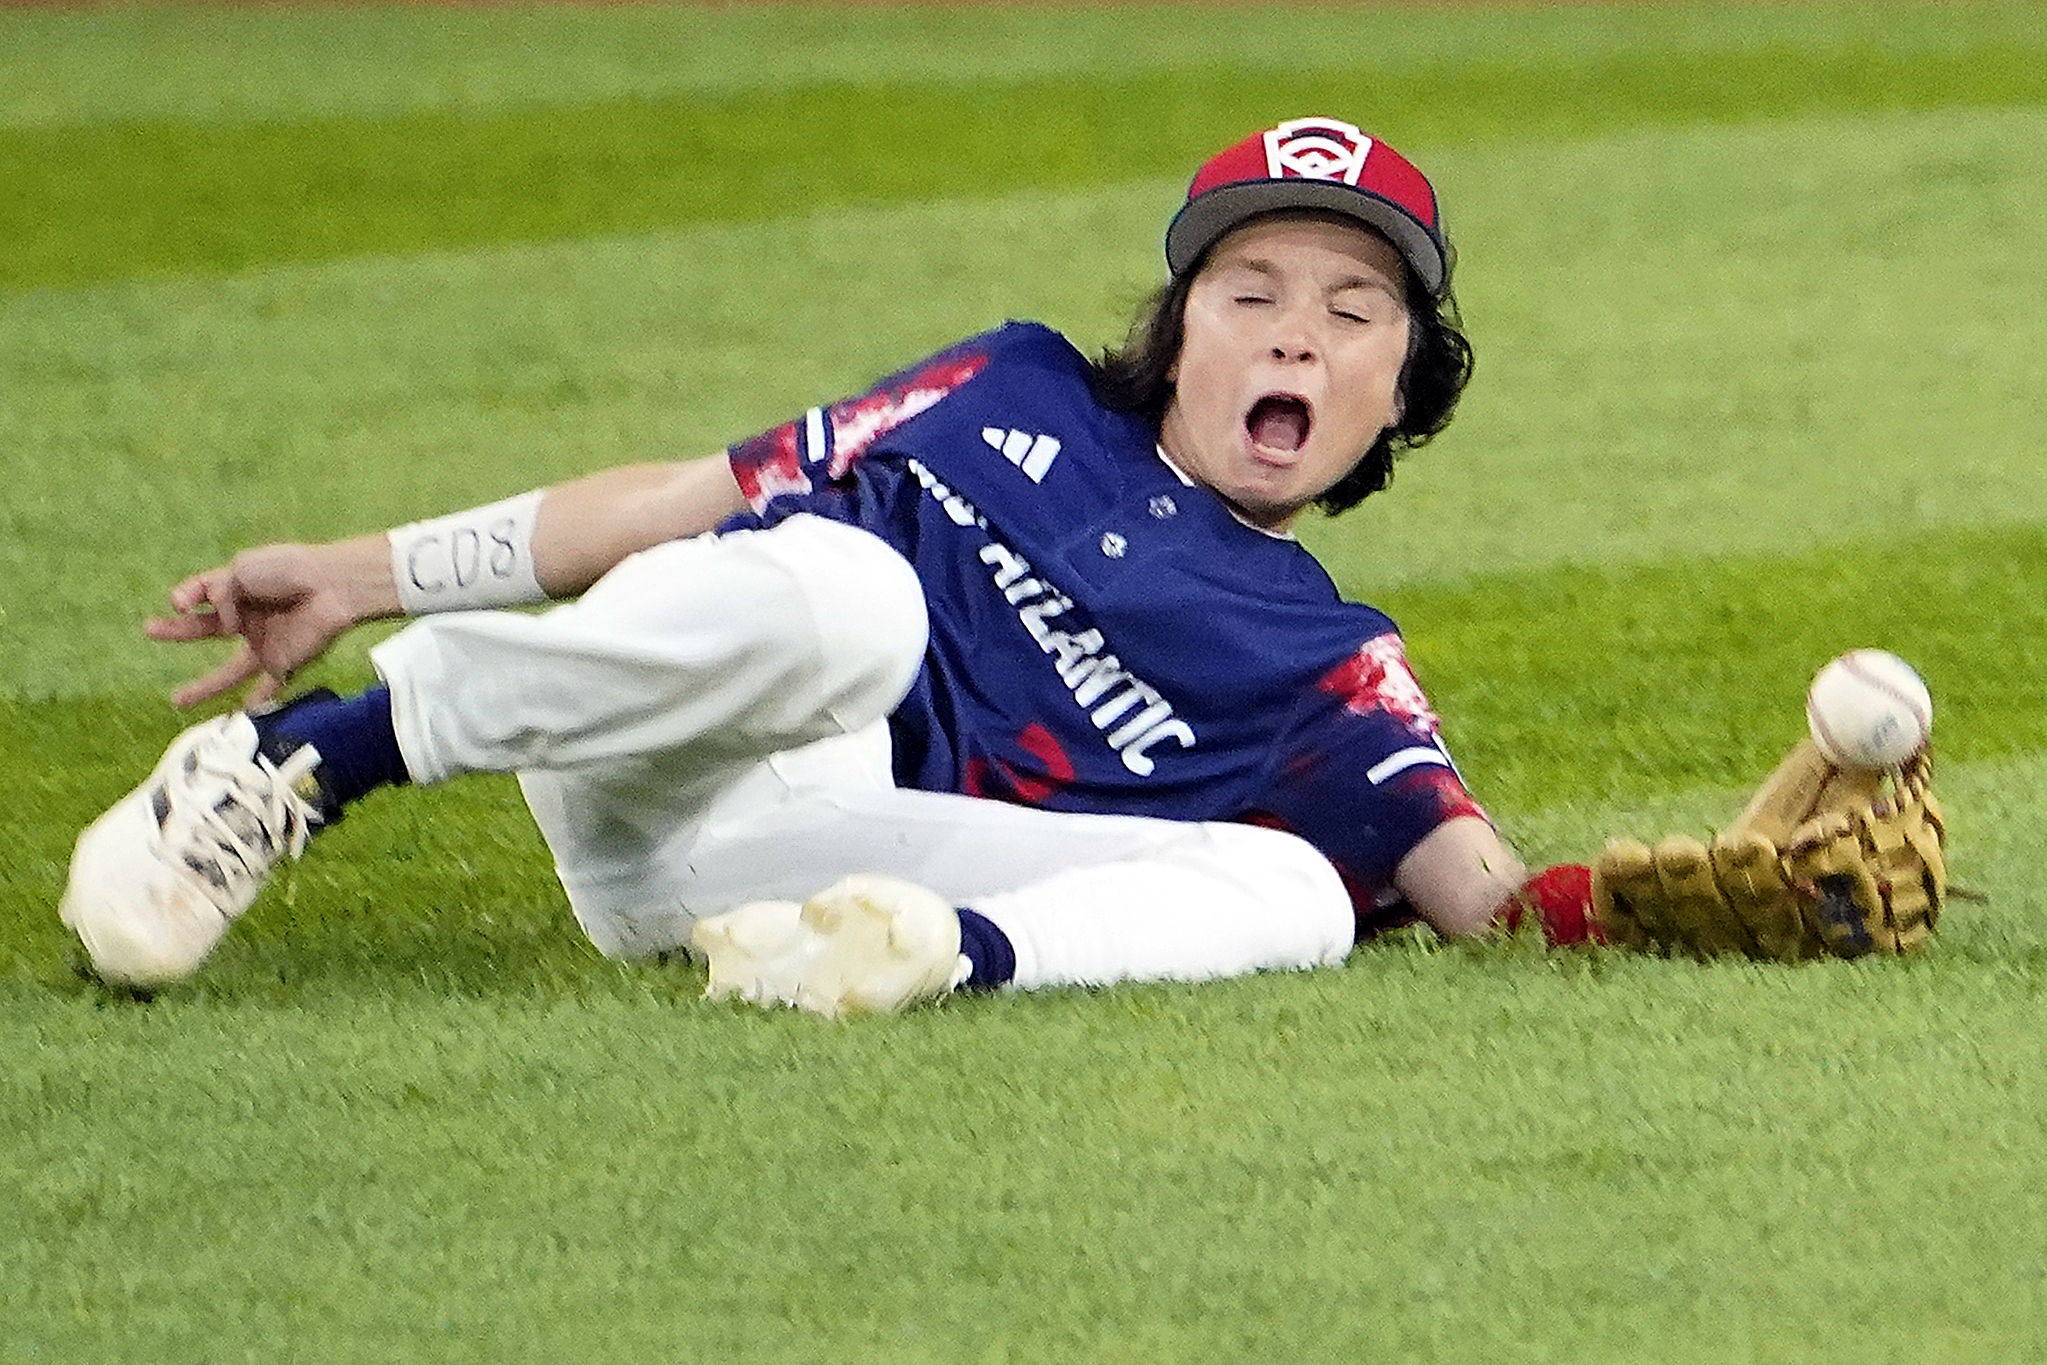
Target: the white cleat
(156, 881)
(865, 943)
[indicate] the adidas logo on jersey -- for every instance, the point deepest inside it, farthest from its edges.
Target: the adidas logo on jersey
(1031, 453)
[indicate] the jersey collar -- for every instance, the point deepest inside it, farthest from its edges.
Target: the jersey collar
(1228, 506)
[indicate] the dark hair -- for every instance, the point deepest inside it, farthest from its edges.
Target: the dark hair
(1133, 378)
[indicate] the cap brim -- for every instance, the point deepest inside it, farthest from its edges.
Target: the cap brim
(1207, 217)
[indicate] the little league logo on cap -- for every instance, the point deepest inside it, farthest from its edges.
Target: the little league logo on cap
(1316, 149)
(1313, 163)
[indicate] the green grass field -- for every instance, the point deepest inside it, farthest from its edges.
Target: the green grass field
(1758, 299)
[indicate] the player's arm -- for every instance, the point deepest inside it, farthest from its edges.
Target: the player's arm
(1460, 877)
(586, 527)
(288, 602)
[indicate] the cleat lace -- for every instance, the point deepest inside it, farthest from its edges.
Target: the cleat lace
(238, 815)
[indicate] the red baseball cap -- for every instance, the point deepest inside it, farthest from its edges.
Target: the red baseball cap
(1313, 163)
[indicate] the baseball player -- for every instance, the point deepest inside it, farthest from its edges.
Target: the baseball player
(1006, 672)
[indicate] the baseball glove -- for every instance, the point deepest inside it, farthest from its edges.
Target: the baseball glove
(1824, 862)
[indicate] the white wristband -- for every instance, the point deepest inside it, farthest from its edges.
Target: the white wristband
(469, 560)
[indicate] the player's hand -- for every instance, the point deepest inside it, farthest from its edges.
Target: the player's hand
(283, 602)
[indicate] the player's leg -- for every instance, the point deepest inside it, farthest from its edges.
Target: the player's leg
(677, 673)
(1198, 903)
(1032, 898)
(1172, 898)
(698, 656)
(1225, 900)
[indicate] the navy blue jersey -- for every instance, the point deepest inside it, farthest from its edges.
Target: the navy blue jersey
(1106, 636)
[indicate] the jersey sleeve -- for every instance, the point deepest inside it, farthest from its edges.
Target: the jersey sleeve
(1365, 776)
(796, 460)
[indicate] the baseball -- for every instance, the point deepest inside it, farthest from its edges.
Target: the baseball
(1868, 709)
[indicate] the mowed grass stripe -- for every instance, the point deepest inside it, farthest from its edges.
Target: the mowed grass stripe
(1579, 701)
(1692, 672)
(151, 198)
(1593, 655)
(67, 65)
(1672, 1135)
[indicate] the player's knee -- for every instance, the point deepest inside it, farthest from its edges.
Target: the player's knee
(1294, 881)
(868, 607)
(1281, 857)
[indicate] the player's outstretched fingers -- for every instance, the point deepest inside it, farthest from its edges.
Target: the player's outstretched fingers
(191, 625)
(1751, 876)
(1623, 876)
(236, 671)
(212, 596)
(1705, 924)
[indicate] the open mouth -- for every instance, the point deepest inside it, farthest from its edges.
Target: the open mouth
(1279, 422)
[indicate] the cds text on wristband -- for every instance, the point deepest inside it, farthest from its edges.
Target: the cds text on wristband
(467, 561)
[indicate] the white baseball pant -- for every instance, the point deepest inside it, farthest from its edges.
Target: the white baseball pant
(707, 726)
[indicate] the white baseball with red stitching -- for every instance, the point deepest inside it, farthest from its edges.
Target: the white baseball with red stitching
(1869, 709)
